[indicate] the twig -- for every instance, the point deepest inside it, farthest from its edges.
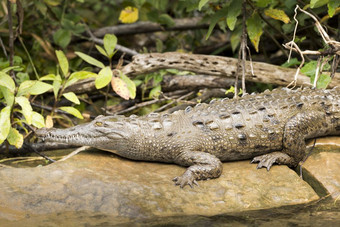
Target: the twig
(41, 154)
(317, 72)
(3, 48)
(294, 34)
(243, 47)
(76, 151)
(174, 101)
(11, 36)
(139, 105)
(250, 62)
(206, 94)
(147, 27)
(118, 47)
(29, 57)
(335, 64)
(293, 46)
(238, 66)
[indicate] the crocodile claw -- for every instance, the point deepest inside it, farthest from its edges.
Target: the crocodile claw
(266, 161)
(185, 179)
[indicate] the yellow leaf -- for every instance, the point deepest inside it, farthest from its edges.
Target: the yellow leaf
(120, 87)
(254, 29)
(129, 15)
(15, 138)
(49, 122)
(277, 14)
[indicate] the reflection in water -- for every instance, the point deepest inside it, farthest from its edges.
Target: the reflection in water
(325, 212)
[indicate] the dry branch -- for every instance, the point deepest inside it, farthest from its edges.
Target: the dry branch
(212, 71)
(145, 27)
(217, 66)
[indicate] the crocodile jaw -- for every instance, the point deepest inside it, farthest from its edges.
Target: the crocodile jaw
(68, 136)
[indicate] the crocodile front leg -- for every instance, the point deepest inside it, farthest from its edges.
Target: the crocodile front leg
(202, 166)
(297, 129)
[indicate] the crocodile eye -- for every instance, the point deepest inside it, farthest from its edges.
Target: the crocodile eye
(98, 123)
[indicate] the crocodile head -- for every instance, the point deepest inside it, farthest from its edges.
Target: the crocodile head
(106, 133)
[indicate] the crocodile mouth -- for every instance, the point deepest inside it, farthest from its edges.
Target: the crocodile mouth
(66, 138)
(75, 138)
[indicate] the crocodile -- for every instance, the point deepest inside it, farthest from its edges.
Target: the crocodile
(270, 127)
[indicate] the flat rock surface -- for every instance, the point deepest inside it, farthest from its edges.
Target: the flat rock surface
(100, 183)
(322, 171)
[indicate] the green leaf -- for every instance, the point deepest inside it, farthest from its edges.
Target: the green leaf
(292, 62)
(235, 38)
(6, 70)
(38, 120)
(233, 12)
(62, 37)
(323, 81)
(318, 3)
(26, 108)
(72, 97)
(332, 6)
(72, 110)
(56, 86)
(48, 77)
(15, 138)
(8, 95)
(254, 28)
(90, 60)
(21, 77)
(7, 81)
(101, 50)
(277, 14)
(155, 92)
(232, 90)
(104, 77)
(139, 3)
(159, 45)
(33, 87)
(262, 3)
(24, 86)
(166, 19)
(5, 123)
(309, 68)
(53, 2)
(130, 85)
(63, 63)
(70, 81)
(202, 3)
(215, 18)
(110, 42)
(137, 82)
(80, 75)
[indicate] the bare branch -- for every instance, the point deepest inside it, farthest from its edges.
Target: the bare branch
(145, 27)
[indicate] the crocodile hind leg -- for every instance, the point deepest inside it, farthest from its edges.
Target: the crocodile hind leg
(202, 166)
(297, 129)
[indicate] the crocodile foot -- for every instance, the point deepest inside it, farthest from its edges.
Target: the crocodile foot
(267, 160)
(186, 179)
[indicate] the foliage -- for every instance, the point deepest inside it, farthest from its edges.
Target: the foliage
(13, 96)
(55, 52)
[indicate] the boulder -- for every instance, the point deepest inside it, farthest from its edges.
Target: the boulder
(96, 184)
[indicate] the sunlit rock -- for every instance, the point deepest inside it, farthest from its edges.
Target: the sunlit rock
(99, 183)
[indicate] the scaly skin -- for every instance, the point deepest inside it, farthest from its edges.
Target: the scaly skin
(270, 128)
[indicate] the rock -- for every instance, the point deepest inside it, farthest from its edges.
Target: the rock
(96, 184)
(321, 171)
